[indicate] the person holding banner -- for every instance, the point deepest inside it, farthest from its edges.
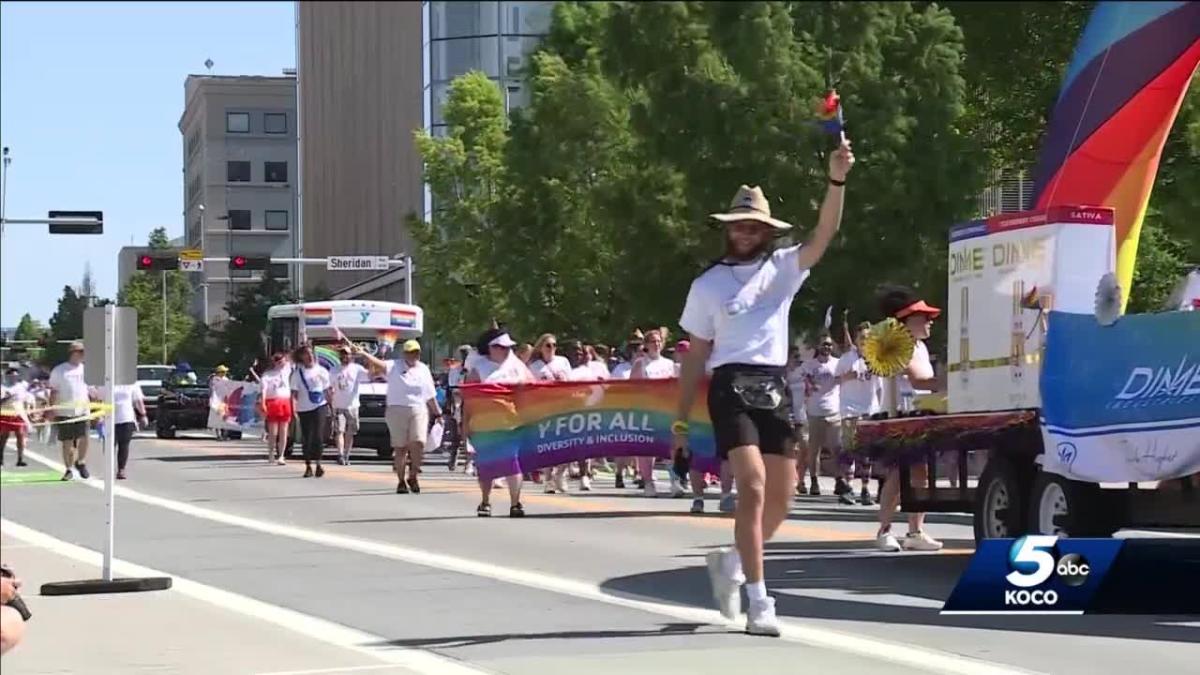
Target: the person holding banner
(652, 365)
(737, 316)
(549, 366)
(275, 404)
(500, 366)
(623, 371)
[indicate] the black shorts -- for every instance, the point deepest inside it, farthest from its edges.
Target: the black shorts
(71, 431)
(737, 423)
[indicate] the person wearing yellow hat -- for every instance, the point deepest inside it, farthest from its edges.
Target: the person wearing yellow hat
(411, 404)
(220, 374)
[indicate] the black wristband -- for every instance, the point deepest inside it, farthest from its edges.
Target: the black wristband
(839, 183)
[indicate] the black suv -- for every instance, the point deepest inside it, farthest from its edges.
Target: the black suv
(183, 406)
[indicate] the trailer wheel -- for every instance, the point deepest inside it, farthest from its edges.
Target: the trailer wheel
(1067, 508)
(1000, 503)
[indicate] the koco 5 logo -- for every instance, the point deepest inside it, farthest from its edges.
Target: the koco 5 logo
(1032, 562)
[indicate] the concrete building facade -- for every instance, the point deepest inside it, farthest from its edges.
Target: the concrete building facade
(239, 180)
(372, 73)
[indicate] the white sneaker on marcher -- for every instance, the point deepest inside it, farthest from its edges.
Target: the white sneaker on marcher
(585, 483)
(560, 482)
(550, 487)
(651, 490)
(281, 461)
(887, 542)
(919, 541)
(725, 575)
(761, 620)
(676, 487)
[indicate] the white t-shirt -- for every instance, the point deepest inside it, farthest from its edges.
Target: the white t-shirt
(276, 383)
(19, 394)
(558, 369)
(124, 397)
(860, 396)
(512, 371)
(456, 375)
(744, 309)
(410, 386)
(661, 368)
(345, 385)
(583, 373)
(823, 399)
(797, 384)
(622, 371)
(72, 392)
(308, 384)
(599, 370)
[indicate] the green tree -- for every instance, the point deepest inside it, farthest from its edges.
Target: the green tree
(244, 333)
(65, 324)
(144, 293)
(28, 328)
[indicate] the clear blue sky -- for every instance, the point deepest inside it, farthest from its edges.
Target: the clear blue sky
(90, 99)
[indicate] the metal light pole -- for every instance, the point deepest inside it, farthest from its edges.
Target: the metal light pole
(164, 314)
(203, 271)
(4, 188)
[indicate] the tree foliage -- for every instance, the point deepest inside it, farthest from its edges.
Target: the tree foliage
(28, 328)
(242, 337)
(66, 324)
(144, 292)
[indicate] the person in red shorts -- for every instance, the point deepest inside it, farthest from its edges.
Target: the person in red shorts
(275, 404)
(14, 397)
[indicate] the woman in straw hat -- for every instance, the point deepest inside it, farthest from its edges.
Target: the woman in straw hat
(737, 317)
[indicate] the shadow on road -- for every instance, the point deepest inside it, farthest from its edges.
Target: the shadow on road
(669, 629)
(854, 569)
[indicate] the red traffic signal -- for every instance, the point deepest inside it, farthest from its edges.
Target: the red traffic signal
(157, 263)
(245, 262)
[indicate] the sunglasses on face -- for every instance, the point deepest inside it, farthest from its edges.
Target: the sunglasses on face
(549, 345)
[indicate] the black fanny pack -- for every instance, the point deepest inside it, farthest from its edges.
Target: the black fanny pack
(761, 391)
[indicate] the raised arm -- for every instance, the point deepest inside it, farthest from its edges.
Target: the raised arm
(830, 218)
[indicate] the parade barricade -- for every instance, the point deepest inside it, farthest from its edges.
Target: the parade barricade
(521, 428)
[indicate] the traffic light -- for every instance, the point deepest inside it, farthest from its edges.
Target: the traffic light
(249, 262)
(96, 227)
(157, 263)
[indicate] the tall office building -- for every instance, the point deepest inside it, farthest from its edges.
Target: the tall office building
(239, 177)
(371, 73)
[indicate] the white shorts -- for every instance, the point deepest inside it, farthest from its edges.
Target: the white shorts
(407, 425)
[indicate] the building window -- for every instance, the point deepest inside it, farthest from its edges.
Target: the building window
(275, 172)
(237, 172)
(277, 220)
(451, 58)
(461, 19)
(237, 122)
(239, 219)
(275, 123)
(278, 270)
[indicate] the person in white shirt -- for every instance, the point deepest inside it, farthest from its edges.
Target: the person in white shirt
(411, 407)
(798, 387)
(549, 366)
(347, 377)
(275, 404)
(598, 366)
(312, 397)
(500, 366)
(129, 411)
(823, 407)
(581, 371)
(652, 365)
(737, 317)
(917, 316)
(14, 399)
(71, 400)
(622, 371)
(860, 396)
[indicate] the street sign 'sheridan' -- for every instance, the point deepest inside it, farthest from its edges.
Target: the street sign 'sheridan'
(354, 263)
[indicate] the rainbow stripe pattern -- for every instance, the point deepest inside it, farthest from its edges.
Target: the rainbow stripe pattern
(519, 428)
(318, 316)
(404, 318)
(1118, 101)
(327, 357)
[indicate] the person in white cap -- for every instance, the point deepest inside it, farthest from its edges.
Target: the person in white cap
(411, 404)
(737, 317)
(499, 366)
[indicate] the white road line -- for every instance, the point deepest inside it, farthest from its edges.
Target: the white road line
(323, 671)
(309, 626)
(844, 595)
(891, 652)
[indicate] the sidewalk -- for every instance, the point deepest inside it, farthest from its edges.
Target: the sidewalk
(157, 632)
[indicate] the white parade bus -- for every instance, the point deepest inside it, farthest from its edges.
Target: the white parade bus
(379, 327)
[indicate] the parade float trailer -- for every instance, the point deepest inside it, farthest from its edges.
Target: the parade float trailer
(1081, 428)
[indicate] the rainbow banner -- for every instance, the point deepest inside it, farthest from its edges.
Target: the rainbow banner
(1118, 100)
(520, 428)
(233, 405)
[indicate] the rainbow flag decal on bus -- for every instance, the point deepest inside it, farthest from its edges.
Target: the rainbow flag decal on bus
(318, 316)
(404, 318)
(520, 428)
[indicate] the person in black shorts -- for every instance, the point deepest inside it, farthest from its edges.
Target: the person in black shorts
(737, 315)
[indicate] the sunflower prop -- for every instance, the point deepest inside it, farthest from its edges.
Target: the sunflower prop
(888, 348)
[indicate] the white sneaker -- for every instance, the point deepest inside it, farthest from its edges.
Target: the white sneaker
(585, 483)
(651, 490)
(726, 582)
(761, 620)
(919, 541)
(550, 487)
(271, 458)
(676, 487)
(281, 461)
(560, 482)
(887, 542)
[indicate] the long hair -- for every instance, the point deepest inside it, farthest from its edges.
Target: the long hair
(541, 342)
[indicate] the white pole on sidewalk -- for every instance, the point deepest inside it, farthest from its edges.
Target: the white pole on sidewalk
(110, 431)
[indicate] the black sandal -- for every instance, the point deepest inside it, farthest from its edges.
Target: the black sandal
(484, 511)
(414, 486)
(516, 511)
(401, 488)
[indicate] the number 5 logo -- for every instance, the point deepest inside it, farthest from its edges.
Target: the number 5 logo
(1031, 551)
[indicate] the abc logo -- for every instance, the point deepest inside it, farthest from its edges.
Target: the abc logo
(1032, 562)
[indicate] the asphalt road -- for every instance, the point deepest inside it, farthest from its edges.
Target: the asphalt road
(599, 582)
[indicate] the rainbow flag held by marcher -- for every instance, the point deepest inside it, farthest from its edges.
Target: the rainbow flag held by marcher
(520, 428)
(829, 113)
